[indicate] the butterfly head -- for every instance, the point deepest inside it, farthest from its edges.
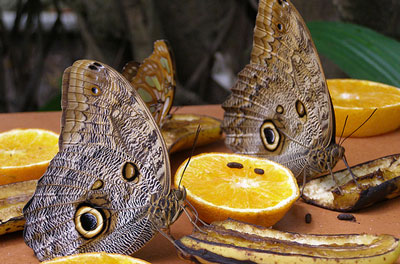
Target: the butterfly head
(323, 159)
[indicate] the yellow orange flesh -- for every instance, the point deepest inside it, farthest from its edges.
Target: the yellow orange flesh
(96, 258)
(218, 191)
(357, 99)
(25, 154)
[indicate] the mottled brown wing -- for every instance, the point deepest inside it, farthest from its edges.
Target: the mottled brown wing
(96, 193)
(280, 106)
(154, 80)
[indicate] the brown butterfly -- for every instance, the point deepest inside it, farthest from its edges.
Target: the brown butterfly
(108, 187)
(154, 80)
(280, 107)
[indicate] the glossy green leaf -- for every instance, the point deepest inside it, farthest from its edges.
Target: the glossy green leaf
(360, 52)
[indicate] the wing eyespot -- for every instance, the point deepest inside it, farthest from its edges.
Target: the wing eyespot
(300, 109)
(89, 221)
(95, 90)
(280, 27)
(279, 109)
(270, 136)
(97, 185)
(130, 172)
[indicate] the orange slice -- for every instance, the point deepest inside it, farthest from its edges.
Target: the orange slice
(358, 99)
(222, 185)
(25, 154)
(96, 258)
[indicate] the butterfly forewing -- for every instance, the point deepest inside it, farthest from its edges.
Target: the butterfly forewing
(96, 192)
(280, 106)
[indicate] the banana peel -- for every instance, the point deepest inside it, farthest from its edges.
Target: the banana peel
(13, 198)
(231, 241)
(378, 180)
(179, 131)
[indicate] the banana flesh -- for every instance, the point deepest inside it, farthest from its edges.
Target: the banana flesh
(179, 131)
(378, 180)
(232, 241)
(13, 198)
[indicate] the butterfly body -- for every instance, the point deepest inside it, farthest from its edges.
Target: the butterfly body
(102, 190)
(280, 107)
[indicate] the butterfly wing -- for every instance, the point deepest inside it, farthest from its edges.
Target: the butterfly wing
(280, 106)
(112, 160)
(154, 80)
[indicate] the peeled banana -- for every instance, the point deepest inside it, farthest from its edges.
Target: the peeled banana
(377, 180)
(13, 197)
(179, 131)
(232, 241)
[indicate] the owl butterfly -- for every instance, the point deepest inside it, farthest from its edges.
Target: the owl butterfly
(154, 80)
(108, 188)
(280, 107)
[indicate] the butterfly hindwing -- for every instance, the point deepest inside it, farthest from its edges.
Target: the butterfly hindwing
(280, 106)
(96, 192)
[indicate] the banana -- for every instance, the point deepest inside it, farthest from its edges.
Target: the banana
(232, 241)
(13, 198)
(378, 179)
(179, 131)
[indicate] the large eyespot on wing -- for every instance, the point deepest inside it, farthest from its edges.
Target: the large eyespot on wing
(89, 221)
(270, 136)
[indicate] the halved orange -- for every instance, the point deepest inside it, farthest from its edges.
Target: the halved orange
(96, 258)
(25, 154)
(357, 99)
(222, 185)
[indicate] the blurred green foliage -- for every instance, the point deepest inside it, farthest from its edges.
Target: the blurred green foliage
(359, 51)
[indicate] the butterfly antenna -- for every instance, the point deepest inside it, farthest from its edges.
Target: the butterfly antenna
(191, 154)
(373, 112)
(344, 127)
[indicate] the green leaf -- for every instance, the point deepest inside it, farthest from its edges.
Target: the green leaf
(359, 51)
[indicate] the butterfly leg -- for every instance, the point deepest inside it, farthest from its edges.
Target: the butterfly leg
(166, 232)
(351, 172)
(335, 180)
(195, 216)
(304, 182)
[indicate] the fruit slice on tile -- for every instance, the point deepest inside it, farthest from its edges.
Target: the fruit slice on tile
(222, 185)
(357, 99)
(232, 241)
(378, 179)
(96, 258)
(25, 154)
(179, 131)
(13, 198)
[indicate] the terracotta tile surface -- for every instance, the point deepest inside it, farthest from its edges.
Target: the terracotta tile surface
(380, 218)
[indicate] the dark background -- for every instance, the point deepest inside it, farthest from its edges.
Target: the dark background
(211, 39)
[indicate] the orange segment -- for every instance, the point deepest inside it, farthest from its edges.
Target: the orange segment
(25, 154)
(222, 185)
(358, 99)
(96, 258)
